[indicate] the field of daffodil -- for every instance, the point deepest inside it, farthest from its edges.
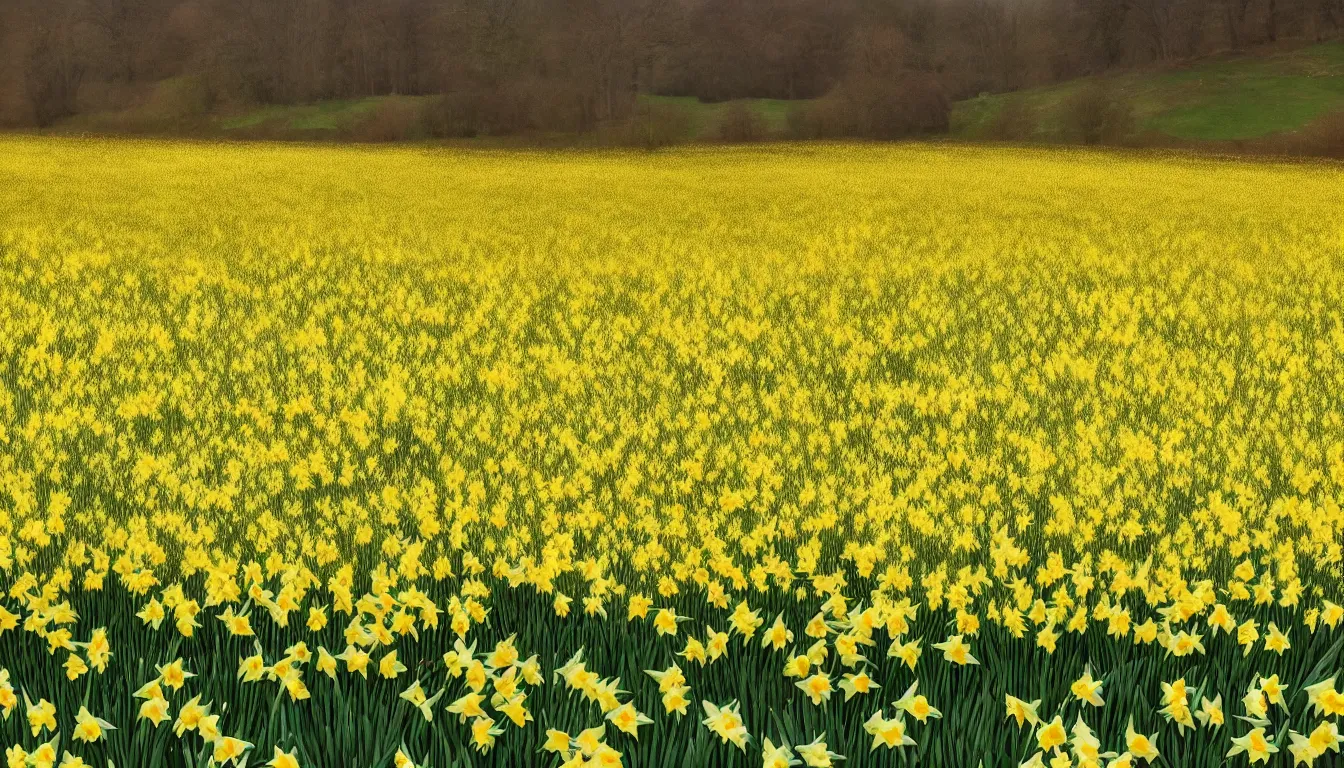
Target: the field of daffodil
(909, 455)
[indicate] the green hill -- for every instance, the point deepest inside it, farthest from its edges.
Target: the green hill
(321, 116)
(1250, 97)
(1261, 101)
(337, 116)
(1229, 98)
(705, 116)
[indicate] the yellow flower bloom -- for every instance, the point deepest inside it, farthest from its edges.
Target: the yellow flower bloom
(1141, 746)
(155, 710)
(389, 667)
(1255, 745)
(726, 723)
(282, 759)
(41, 715)
(1052, 735)
(89, 728)
(189, 716)
(956, 651)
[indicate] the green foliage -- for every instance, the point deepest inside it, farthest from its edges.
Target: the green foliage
(706, 117)
(1224, 99)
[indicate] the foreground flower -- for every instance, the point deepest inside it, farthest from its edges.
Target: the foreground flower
(887, 733)
(778, 635)
(856, 683)
(1052, 735)
(1141, 746)
(284, 759)
(665, 621)
(1255, 745)
(816, 755)
(8, 699)
(189, 717)
(230, 750)
(468, 706)
(89, 728)
(41, 715)
(908, 652)
(817, 687)
(356, 660)
(483, 733)
(667, 679)
(389, 667)
(675, 700)
(44, 756)
(416, 696)
(726, 723)
(174, 675)
(915, 705)
(1321, 697)
(590, 739)
(1084, 744)
(1274, 691)
(1022, 711)
(1087, 690)
(777, 756)
(1210, 713)
(154, 710)
(556, 741)
(956, 651)
(627, 719)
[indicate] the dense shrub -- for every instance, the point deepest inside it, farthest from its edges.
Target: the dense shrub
(1015, 121)
(1098, 113)
(799, 121)
(650, 126)
(739, 122)
(186, 98)
(453, 116)
(877, 108)
(1324, 137)
(392, 119)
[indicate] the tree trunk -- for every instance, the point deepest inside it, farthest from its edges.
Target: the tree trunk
(1229, 18)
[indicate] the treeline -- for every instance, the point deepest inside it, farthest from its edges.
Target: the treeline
(877, 67)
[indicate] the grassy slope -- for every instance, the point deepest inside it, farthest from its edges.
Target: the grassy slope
(1228, 98)
(167, 109)
(705, 116)
(322, 116)
(337, 115)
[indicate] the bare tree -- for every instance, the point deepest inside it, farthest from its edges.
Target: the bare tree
(1154, 21)
(1327, 18)
(1106, 22)
(52, 63)
(1234, 20)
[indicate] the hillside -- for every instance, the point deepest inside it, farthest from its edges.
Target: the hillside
(167, 110)
(1267, 101)
(1241, 98)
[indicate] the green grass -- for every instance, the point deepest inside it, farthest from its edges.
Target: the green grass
(337, 115)
(331, 115)
(705, 115)
(176, 104)
(1220, 99)
(1229, 98)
